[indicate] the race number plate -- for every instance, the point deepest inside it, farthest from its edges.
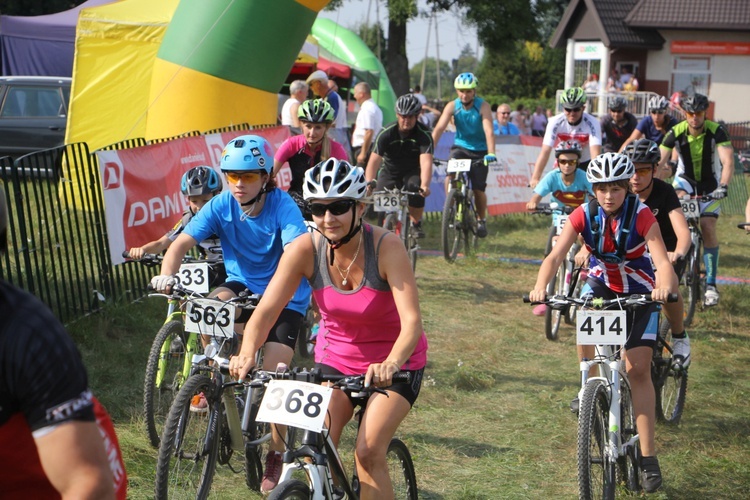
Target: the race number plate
(458, 166)
(298, 404)
(386, 202)
(194, 277)
(691, 209)
(210, 317)
(601, 327)
(559, 220)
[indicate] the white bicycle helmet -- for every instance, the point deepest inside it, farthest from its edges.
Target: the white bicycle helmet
(610, 167)
(658, 102)
(333, 179)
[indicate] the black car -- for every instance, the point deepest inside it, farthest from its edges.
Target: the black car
(33, 113)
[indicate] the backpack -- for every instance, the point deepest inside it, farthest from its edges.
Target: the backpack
(628, 223)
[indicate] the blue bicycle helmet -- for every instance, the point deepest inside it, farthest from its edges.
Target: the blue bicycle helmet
(199, 181)
(247, 153)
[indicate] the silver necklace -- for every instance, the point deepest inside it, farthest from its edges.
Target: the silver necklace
(345, 274)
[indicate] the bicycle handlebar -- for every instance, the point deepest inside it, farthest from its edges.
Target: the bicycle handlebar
(549, 209)
(153, 259)
(627, 301)
(244, 300)
(348, 383)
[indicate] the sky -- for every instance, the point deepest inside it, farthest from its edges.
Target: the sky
(452, 34)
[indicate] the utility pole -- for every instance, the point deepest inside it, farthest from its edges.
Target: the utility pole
(426, 50)
(437, 57)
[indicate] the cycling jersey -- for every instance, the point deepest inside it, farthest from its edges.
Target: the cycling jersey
(700, 161)
(252, 246)
(469, 128)
(401, 153)
(587, 132)
(43, 384)
(572, 196)
(301, 158)
(647, 127)
(361, 329)
(662, 200)
(635, 274)
(210, 248)
(617, 134)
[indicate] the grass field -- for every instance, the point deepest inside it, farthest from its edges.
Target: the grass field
(492, 420)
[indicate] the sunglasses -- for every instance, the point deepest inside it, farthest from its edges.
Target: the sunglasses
(246, 177)
(505, 112)
(644, 171)
(572, 110)
(658, 111)
(699, 114)
(336, 208)
(567, 163)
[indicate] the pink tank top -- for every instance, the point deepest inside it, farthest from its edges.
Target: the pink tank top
(361, 325)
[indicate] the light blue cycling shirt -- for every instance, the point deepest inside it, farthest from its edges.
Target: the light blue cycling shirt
(252, 246)
(572, 196)
(469, 130)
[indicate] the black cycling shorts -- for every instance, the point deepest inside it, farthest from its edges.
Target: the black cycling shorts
(410, 179)
(409, 391)
(479, 171)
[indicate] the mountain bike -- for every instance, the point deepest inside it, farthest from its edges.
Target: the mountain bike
(196, 440)
(296, 398)
(669, 377)
(608, 450)
(566, 280)
(170, 358)
(393, 204)
(459, 226)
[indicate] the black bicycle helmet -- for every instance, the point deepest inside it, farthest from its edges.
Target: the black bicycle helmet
(643, 151)
(408, 105)
(695, 103)
(199, 181)
(315, 111)
(618, 103)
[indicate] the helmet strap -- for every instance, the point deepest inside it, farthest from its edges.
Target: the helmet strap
(334, 245)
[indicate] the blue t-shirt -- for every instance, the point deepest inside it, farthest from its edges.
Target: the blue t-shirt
(469, 130)
(252, 247)
(571, 196)
(509, 129)
(648, 129)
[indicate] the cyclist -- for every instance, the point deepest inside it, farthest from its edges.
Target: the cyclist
(661, 198)
(199, 184)
(57, 441)
(618, 125)
(472, 117)
(567, 184)
(655, 125)
(705, 167)
(254, 221)
(306, 150)
(572, 124)
(616, 228)
(405, 149)
(364, 284)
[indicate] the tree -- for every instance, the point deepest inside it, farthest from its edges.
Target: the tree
(429, 87)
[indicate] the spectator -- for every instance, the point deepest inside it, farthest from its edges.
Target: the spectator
(618, 125)
(591, 85)
(297, 93)
(368, 124)
(318, 82)
(419, 95)
(429, 116)
(519, 119)
(539, 122)
(613, 82)
(502, 125)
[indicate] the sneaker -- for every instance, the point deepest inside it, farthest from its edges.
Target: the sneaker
(575, 404)
(540, 310)
(417, 226)
(481, 228)
(650, 474)
(271, 472)
(199, 404)
(681, 351)
(712, 296)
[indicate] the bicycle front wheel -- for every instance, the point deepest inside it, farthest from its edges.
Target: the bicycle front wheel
(670, 384)
(291, 490)
(553, 317)
(470, 224)
(628, 464)
(401, 471)
(596, 473)
(164, 377)
(451, 232)
(190, 444)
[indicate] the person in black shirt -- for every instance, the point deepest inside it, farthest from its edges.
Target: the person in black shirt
(404, 148)
(618, 125)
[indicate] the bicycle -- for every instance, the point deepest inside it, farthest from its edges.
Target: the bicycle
(170, 357)
(669, 377)
(194, 442)
(566, 281)
(459, 212)
(393, 205)
(608, 449)
(297, 398)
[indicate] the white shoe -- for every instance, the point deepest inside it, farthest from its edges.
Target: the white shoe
(711, 298)
(681, 351)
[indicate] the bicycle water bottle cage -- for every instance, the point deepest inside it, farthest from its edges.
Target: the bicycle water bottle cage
(631, 204)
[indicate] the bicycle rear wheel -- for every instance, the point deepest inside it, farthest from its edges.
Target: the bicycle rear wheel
(596, 473)
(691, 286)
(305, 344)
(408, 237)
(553, 317)
(164, 377)
(190, 445)
(450, 231)
(628, 464)
(401, 471)
(670, 384)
